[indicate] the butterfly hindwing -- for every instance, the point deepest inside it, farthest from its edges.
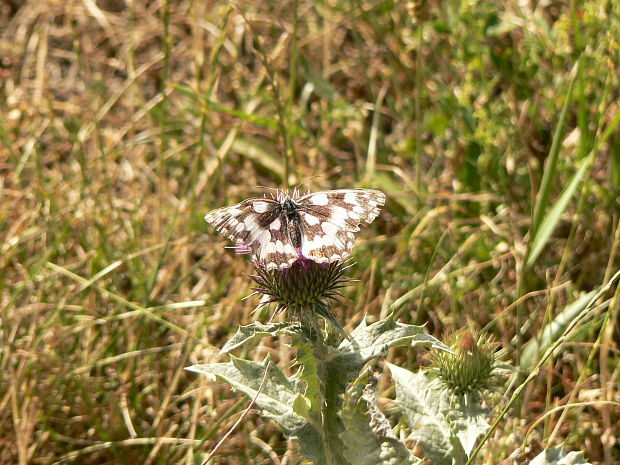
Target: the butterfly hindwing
(278, 252)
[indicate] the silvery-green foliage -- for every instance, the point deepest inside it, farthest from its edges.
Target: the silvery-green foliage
(369, 440)
(280, 398)
(309, 405)
(559, 456)
(337, 366)
(369, 342)
(446, 426)
(247, 333)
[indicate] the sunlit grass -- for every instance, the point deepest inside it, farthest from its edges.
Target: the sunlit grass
(122, 123)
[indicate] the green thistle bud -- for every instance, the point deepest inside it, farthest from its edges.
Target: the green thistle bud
(472, 368)
(303, 290)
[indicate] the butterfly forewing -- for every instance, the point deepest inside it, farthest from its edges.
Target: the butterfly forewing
(319, 226)
(255, 223)
(329, 220)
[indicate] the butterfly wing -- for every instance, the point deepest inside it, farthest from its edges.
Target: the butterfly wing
(330, 219)
(278, 253)
(257, 224)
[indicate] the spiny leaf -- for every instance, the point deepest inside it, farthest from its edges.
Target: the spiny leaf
(253, 330)
(363, 445)
(315, 389)
(277, 398)
(467, 420)
(324, 393)
(368, 342)
(559, 456)
(423, 408)
(446, 426)
(365, 343)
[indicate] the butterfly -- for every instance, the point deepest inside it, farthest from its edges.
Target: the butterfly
(319, 226)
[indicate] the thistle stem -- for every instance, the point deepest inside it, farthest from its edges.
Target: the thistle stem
(325, 410)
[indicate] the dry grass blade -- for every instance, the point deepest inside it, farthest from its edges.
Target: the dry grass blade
(239, 420)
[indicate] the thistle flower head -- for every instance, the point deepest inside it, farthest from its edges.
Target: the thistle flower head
(472, 368)
(305, 284)
(305, 287)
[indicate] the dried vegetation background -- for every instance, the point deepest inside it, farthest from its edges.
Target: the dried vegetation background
(122, 122)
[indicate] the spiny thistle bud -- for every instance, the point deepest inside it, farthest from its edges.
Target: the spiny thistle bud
(472, 367)
(306, 286)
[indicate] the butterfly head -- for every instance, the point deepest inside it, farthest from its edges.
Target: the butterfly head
(283, 194)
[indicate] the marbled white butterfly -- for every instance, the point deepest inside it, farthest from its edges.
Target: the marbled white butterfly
(319, 226)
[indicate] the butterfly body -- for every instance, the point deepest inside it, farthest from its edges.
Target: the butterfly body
(319, 226)
(293, 221)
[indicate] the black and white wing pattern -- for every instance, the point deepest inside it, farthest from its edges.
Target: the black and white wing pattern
(330, 219)
(320, 226)
(258, 224)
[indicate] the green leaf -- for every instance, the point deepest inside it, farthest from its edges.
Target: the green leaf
(369, 342)
(553, 330)
(320, 85)
(324, 391)
(309, 374)
(328, 373)
(559, 456)
(277, 399)
(363, 445)
(253, 330)
(365, 343)
(315, 395)
(259, 120)
(423, 408)
(467, 421)
(255, 152)
(446, 427)
(543, 227)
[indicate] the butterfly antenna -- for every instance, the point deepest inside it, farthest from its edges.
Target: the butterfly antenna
(296, 193)
(258, 186)
(305, 181)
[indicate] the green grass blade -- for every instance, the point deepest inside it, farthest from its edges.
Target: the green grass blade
(546, 185)
(536, 347)
(551, 220)
(259, 120)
